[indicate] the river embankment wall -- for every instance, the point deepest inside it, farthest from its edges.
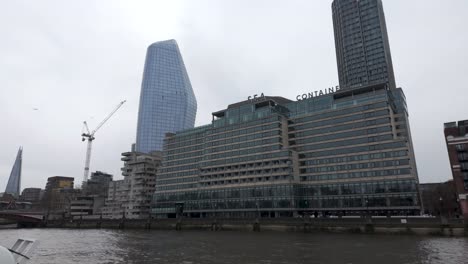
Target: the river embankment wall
(420, 226)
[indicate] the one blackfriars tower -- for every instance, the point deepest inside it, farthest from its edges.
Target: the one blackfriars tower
(362, 46)
(167, 101)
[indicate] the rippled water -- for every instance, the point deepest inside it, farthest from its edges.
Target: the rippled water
(112, 246)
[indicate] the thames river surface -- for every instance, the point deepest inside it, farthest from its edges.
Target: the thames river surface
(112, 246)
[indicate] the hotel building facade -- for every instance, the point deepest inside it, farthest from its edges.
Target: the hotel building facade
(345, 152)
(456, 138)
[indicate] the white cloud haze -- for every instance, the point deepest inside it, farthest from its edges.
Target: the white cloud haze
(76, 60)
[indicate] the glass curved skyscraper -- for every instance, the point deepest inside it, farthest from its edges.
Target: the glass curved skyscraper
(167, 101)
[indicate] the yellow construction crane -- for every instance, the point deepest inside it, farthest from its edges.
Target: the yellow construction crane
(90, 136)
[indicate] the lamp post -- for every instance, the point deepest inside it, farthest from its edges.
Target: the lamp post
(216, 211)
(367, 206)
(306, 202)
(258, 210)
(440, 206)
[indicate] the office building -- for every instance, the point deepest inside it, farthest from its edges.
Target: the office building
(14, 182)
(98, 185)
(456, 138)
(131, 197)
(93, 196)
(116, 199)
(167, 101)
(362, 45)
(86, 205)
(59, 182)
(59, 193)
(344, 152)
(32, 195)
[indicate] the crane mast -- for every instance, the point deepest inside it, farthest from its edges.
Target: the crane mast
(89, 136)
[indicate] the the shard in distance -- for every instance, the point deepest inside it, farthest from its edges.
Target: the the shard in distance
(14, 182)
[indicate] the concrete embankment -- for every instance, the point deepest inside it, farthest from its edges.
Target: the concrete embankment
(416, 226)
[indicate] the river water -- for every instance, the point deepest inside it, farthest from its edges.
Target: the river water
(189, 247)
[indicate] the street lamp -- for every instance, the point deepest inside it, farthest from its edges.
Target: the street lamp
(440, 207)
(258, 210)
(306, 202)
(367, 206)
(215, 210)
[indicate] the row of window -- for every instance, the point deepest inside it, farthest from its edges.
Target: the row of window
(266, 156)
(222, 130)
(337, 128)
(182, 162)
(351, 175)
(350, 134)
(245, 131)
(363, 202)
(165, 169)
(184, 155)
(336, 152)
(338, 113)
(357, 117)
(178, 142)
(229, 168)
(343, 143)
(246, 173)
(356, 166)
(244, 145)
(279, 176)
(243, 152)
(285, 203)
(176, 187)
(243, 138)
(372, 156)
(163, 176)
(397, 186)
(228, 193)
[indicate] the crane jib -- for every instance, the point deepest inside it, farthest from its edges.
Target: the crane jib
(90, 137)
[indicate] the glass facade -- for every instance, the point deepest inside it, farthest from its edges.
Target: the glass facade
(362, 45)
(339, 153)
(14, 182)
(167, 101)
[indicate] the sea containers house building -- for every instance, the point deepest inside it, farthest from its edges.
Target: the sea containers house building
(345, 152)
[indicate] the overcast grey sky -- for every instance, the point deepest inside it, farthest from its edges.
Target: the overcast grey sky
(75, 60)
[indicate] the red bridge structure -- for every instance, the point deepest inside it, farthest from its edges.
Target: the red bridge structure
(23, 219)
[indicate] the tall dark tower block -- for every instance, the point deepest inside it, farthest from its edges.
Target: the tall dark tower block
(362, 46)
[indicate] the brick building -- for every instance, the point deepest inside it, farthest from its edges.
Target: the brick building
(456, 137)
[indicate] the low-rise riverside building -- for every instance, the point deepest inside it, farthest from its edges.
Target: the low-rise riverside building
(440, 199)
(131, 197)
(333, 152)
(98, 184)
(32, 195)
(86, 205)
